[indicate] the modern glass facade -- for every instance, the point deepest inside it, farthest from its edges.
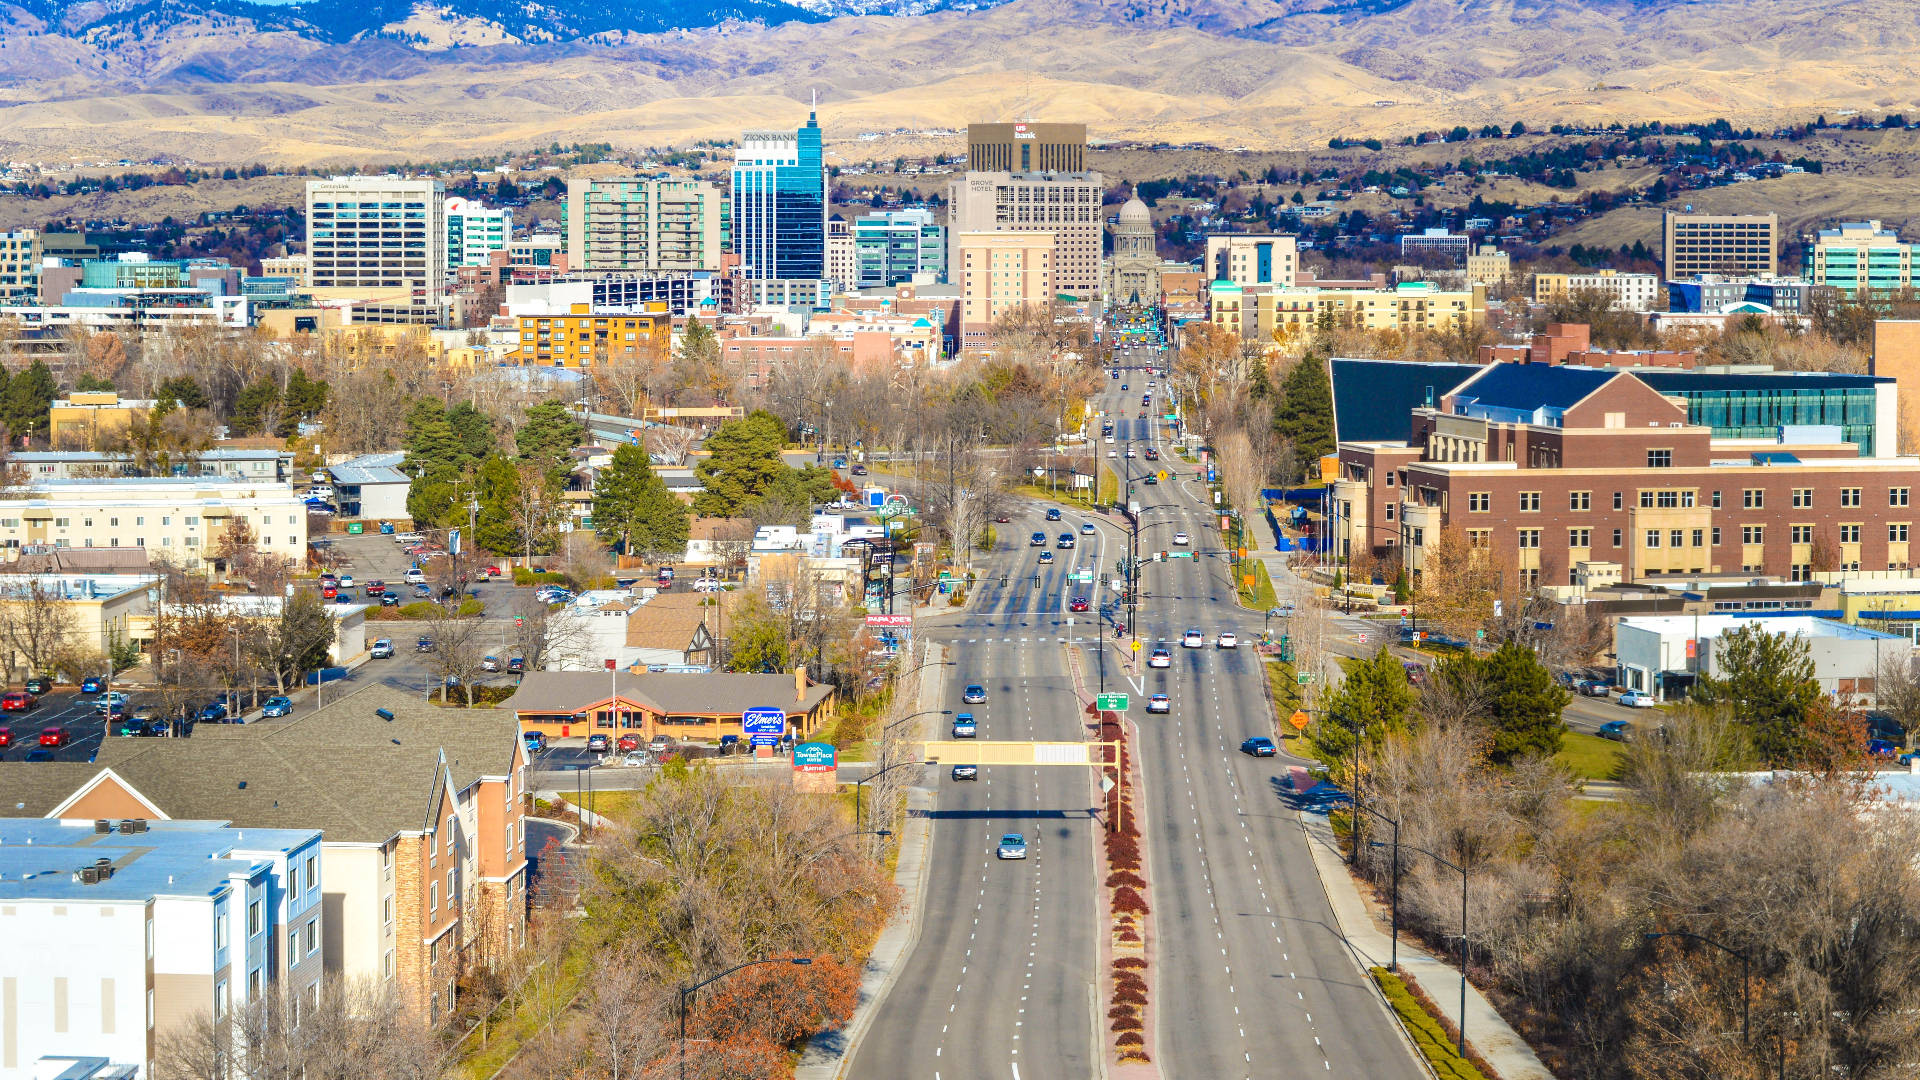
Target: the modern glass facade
(780, 204)
(890, 248)
(1757, 406)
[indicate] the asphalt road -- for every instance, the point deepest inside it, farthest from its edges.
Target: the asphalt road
(1252, 977)
(1001, 982)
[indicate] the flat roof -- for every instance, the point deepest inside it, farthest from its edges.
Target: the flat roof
(1771, 622)
(1669, 381)
(39, 858)
(371, 469)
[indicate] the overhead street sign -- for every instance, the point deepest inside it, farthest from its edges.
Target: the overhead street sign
(1111, 702)
(764, 721)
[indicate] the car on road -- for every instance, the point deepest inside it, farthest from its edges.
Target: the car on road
(112, 699)
(1078, 603)
(1002, 519)
(1617, 730)
(346, 581)
(375, 588)
(1053, 513)
(55, 737)
(1113, 453)
(1037, 540)
(1087, 529)
(414, 576)
(1181, 539)
(93, 684)
(423, 592)
(1227, 640)
(6, 737)
(536, 741)
(1046, 557)
(382, 649)
(40, 755)
(1012, 846)
(1153, 454)
(858, 470)
(1159, 703)
(1132, 453)
(17, 701)
(1592, 687)
(423, 644)
(1259, 746)
(517, 664)
(39, 684)
(974, 694)
(963, 726)
(1634, 699)
(966, 772)
(598, 744)
(1065, 541)
(1150, 480)
(1123, 386)
(214, 712)
(1161, 657)
(1193, 639)
(329, 591)
(489, 663)
(277, 706)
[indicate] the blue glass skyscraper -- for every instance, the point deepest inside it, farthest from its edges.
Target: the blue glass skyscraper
(780, 204)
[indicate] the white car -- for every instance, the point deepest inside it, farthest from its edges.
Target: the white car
(706, 584)
(1227, 640)
(1161, 658)
(1112, 453)
(1159, 703)
(346, 582)
(1193, 639)
(1634, 699)
(1181, 539)
(1131, 452)
(1109, 440)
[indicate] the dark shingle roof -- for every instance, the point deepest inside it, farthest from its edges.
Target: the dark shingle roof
(1373, 400)
(1527, 387)
(719, 692)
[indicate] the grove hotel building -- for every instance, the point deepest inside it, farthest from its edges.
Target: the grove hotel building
(1552, 467)
(181, 518)
(379, 239)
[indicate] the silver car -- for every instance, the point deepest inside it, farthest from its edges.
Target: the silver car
(1012, 846)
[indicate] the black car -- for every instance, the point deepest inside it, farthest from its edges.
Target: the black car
(424, 644)
(39, 684)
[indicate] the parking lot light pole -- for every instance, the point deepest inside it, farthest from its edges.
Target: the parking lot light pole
(687, 992)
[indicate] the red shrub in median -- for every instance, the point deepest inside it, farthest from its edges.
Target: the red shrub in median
(1125, 877)
(1127, 899)
(1134, 962)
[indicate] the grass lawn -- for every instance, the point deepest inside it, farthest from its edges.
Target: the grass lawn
(1260, 597)
(1588, 757)
(1286, 698)
(1064, 496)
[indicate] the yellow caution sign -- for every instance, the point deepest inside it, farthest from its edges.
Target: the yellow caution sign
(1136, 646)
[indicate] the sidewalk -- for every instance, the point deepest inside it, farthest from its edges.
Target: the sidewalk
(1366, 934)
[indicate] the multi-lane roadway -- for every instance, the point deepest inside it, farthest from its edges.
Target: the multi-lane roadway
(1251, 977)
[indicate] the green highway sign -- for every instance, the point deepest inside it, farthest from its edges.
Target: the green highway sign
(356, 528)
(1180, 555)
(1305, 677)
(1083, 575)
(1111, 702)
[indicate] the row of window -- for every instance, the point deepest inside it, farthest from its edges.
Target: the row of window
(1676, 538)
(1480, 502)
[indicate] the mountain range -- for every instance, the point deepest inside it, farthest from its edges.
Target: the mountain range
(333, 81)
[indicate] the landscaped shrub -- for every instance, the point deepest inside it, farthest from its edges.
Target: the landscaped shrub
(1127, 936)
(1130, 1039)
(1133, 1055)
(1126, 898)
(1128, 995)
(1135, 963)
(1125, 877)
(1129, 978)
(1126, 1023)
(1121, 1012)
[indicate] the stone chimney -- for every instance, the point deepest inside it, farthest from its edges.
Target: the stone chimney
(799, 685)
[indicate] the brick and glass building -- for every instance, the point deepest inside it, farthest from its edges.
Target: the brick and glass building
(381, 239)
(644, 223)
(1027, 147)
(1550, 468)
(1861, 260)
(1734, 244)
(1066, 206)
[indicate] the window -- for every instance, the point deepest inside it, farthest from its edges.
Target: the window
(1579, 538)
(60, 523)
(1753, 534)
(1897, 534)
(220, 999)
(219, 931)
(386, 911)
(1660, 459)
(1849, 534)
(1529, 538)
(1675, 536)
(1716, 536)
(433, 896)
(313, 872)
(1849, 496)
(1389, 511)
(254, 924)
(1616, 538)
(1646, 500)
(1896, 496)
(1653, 538)
(1800, 572)
(1579, 500)
(1753, 498)
(313, 937)
(1618, 501)
(293, 947)
(1716, 500)
(1802, 498)
(1479, 538)
(1529, 501)
(1479, 501)
(386, 965)
(1800, 534)
(453, 897)
(1699, 537)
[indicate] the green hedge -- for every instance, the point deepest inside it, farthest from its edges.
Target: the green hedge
(524, 576)
(1428, 1035)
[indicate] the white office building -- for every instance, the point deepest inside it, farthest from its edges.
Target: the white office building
(475, 232)
(121, 931)
(379, 239)
(179, 518)
(1663, 655)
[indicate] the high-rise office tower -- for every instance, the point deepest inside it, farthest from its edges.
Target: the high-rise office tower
(1027, 147)
(644, 223)
(1064, 205)
(1733, 244)
(377, 238)
(780, 204)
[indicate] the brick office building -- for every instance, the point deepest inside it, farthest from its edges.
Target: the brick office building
(1551, 467)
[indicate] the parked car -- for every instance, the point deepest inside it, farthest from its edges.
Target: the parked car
(974, 694)
(966, 772)
(329, 591)
(1259, 746)
(660, 744)
(628, 741)
(389, 598)
(276, 706)
(423, 591)
(424, 644)
(1159, 703)
(55, 737)
(636, 759)
(414, 576)
(1161, 657)
(489, 663)
(963, 726)
(40, 684)
(597, 744)
(1634, 699)
(1592, 687)
(346, 581)
(17, 701)
(40, 755)
(213, 712)
(375, 587)
(1881, 748)
(93, 684)
(1012, 846)
(516, 664)
(1617, 730)
(382, 649)
(6, 737)
(536, 741)
(112, 699)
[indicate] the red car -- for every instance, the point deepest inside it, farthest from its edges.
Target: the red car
(328, 590)
(375, 588)
(629, 742)
(55, 737)
(493, 571)
(1078, 603)
(17, 701)
(6, 737)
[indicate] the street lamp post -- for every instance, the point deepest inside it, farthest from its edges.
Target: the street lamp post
(1393, 962)
(687, 992)
(874, 776)
(1461, 1048)
(1746, 970)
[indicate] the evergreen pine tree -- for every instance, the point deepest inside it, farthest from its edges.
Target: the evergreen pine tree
(1303, 416)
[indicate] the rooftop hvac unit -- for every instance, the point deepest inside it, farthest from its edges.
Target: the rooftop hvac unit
(103, 826)
(134, 825)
